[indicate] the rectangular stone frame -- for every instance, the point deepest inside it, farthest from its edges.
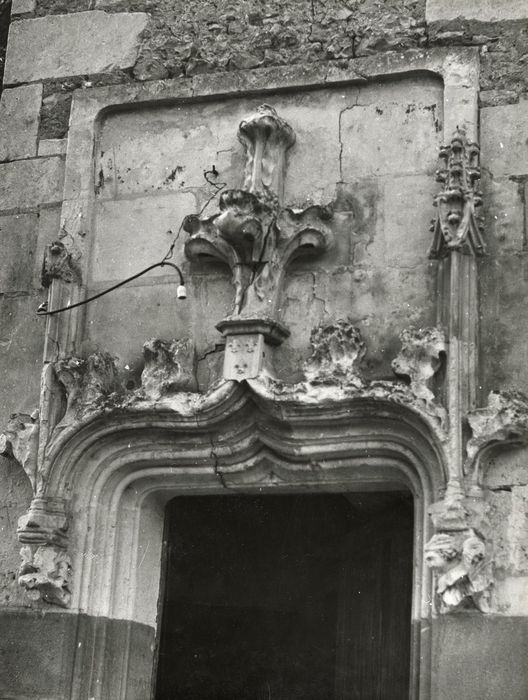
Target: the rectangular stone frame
(459, 70)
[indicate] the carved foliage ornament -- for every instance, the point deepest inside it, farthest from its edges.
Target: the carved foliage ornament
(254, 234)
(457, 226)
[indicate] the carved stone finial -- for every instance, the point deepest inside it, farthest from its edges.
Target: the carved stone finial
(457, 226)
(463, 571)
(169, 367)
(504, 419)
(87, 381)
(58, 264)
(337, 350)
(20, 440)
(46, 569)
(420, 359)
(266, 138)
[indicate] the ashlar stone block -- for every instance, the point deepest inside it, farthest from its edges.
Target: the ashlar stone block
(25, 184)
(22, 7)
(504, 143)
(19, 117)
(482, 10)
(18, 233)
(83, 42)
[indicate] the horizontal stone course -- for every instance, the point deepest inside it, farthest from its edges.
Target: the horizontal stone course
(482, 10)
(62, 45)
(19, 120)
(25, 184)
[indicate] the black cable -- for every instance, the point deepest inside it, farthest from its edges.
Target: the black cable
(41, 312)
(218, 188)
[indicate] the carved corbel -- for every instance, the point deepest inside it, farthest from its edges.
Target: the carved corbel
(87, 382)
(258, 239)
(59, 264)
(420, 359)
(21, 441)
(337, 351)
(459, 553)
(169, 367)
(503, 420)
(45, 571)
(462, 571)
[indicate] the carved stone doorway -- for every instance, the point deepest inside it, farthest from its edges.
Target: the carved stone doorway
(303, 596)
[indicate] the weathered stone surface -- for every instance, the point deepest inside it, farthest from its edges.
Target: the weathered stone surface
(141, 228)
(21, 347)
(87, 383)
(504, 419)
(16, 496)
(26, 184)
(482, 10)
(45, 574)
(63, 45)
(462, 567)
(337, 351)
(509, 525)
(503, 210)
(52, 147)
(18, 233)
(505, 149)
(169, 367)
(370, 147)
(21, 7)
(20, 440)
(19, 117)
(420, 359)
(48, 231)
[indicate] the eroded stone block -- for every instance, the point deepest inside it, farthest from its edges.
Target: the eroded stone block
(83, 42)
(19, 116)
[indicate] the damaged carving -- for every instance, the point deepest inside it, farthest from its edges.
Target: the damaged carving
(45, 571)
(463, 571)
(20, 440)
(266, 138)
(59, 264)
(254, 234)
(337, 351)
(504, 419)
(457, 226)
(87, 382)
(169, 367)
(420, 359)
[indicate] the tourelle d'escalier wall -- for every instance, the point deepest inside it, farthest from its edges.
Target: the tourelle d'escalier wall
(340, 187)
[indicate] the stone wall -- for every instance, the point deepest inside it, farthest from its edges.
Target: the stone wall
(56, 47)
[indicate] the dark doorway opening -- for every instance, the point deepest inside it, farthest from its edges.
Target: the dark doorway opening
(287, 597)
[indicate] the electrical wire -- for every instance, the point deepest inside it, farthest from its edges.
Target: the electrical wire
(42, 312)
(219, 186)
